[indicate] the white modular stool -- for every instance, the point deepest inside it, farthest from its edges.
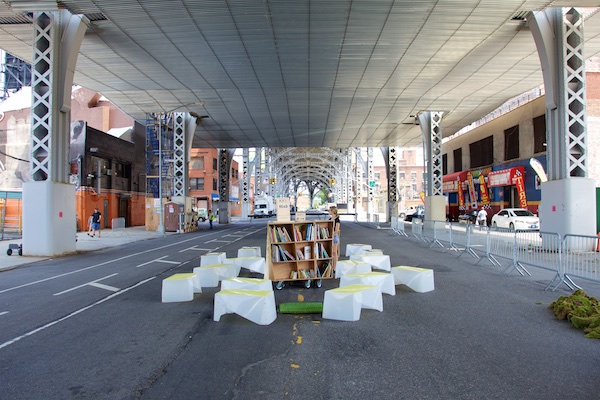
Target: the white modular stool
(377, 261)
(254, 264)
(211, 275)
(384, 280)
(345, 303)
(257, 306)
(356, 248)
(212, 258)
(247, 251)
(374, 252)
(344, 267)
(178, 287)
(246, 283)
(418, 279)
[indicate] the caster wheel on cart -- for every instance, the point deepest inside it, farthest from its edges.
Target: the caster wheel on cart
(279, 285)
(307, 284)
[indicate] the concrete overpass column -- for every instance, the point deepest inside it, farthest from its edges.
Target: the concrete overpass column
(431, 128)
(49, 218)
(569, 193)
(225, 157)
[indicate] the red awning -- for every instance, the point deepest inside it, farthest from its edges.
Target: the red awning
(452, 177)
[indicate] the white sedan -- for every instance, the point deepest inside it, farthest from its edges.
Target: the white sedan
(515, 218)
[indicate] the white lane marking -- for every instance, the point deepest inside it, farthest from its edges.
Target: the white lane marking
(85, 284)
(194, 248)
(105, 287)
(159, 259)
(105, 263)
(3, 312)
(74, 313)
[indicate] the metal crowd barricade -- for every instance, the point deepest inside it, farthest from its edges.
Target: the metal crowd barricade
(439, 233)
(502, 244)
(580, 260)
(417, 229)
(398, 226)
(538, 249)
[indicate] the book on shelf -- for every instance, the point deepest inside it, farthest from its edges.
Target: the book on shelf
(307, 252)
(309, 229)
(297, 234)
(324, 270)
(299, 255)
(288, 255)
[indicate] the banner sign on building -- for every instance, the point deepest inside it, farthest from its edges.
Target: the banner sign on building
(472, 193)
(461, 198)
(520, 183)
(485, 196)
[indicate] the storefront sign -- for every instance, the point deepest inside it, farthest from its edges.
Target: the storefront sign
(504, 177)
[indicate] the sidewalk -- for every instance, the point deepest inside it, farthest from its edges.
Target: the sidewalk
(84, 243)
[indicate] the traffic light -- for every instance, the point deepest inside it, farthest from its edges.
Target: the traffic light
(332, 182)
(273, 181)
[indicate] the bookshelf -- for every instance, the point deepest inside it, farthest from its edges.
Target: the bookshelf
(300, 251)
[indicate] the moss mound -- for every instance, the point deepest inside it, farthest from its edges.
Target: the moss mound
(581, 310)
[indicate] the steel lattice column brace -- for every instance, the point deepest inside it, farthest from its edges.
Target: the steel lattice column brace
(431, 128)
(246, 173)
(225, 157)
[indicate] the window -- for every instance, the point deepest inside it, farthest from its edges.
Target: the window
(413, 176)
(444, 164)
(539, 134)
(214, 184)
(377, 175)
(482, 152)
(511, 143)
(215, 164)
(402, 175)
(196, 183)
(197, 163)
(458, 160)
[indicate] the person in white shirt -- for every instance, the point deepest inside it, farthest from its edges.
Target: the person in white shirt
(482, 217)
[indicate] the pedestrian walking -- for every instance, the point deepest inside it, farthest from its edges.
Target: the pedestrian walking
(96, 218)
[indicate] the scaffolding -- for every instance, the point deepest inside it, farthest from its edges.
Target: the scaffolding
(159, 124)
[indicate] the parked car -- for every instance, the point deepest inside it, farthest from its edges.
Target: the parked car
(516, 218)
(470, 217)
(419, 214)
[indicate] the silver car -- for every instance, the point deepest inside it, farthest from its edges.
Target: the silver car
(516, 218)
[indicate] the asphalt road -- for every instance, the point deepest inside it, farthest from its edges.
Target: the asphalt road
(92, 326)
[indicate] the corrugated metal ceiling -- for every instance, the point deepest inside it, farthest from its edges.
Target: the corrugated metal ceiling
(306, 73)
